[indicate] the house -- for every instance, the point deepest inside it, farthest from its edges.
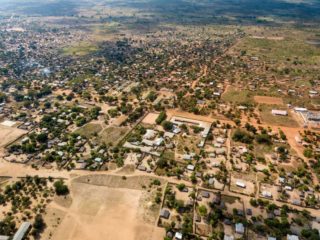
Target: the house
(289, 188)
(296, 202)
(249, 211)
(142, 168)
(164, 213)
(239, 228)
(228, 237)
(315, 117)
(205, 194)
(266, 194)
(149, 134)
(279, 112)
(300, 109)
(221, 151)
(313, 93)
(220, 140)
(187, 157)
(168, 135)
(240, 184)
(292, 237)
(298, 139)
(271, 238)
(178, 236)
(190, 167)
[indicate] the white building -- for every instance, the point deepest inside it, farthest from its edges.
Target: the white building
(279, 112)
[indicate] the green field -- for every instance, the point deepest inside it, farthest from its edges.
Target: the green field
(79, 49)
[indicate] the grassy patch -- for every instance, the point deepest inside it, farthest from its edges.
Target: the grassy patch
(89, 129)
(113, 135)
(261, 149)
(79, 49)
(237, 96)
(168, 155)
(190, 143)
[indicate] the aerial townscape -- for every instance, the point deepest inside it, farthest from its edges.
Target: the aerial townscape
(160, 119)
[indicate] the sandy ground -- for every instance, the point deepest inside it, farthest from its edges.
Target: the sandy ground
(268, 100)
(98, 211)
(9, 134)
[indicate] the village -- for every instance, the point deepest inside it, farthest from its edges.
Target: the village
(223, 135)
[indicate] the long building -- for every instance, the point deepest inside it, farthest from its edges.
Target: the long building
(22, 231)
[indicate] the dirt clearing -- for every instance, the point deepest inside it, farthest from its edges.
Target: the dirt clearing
(150, 118)
(268, 100)
(108, 207)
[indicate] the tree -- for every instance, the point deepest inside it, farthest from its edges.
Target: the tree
(242, 136)
(38, 225)
(61, 188)
(42, 137)
(310, 234)
(181, 186)
(202, 210)
(168, 126)
(162, 116)
(263, 139)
